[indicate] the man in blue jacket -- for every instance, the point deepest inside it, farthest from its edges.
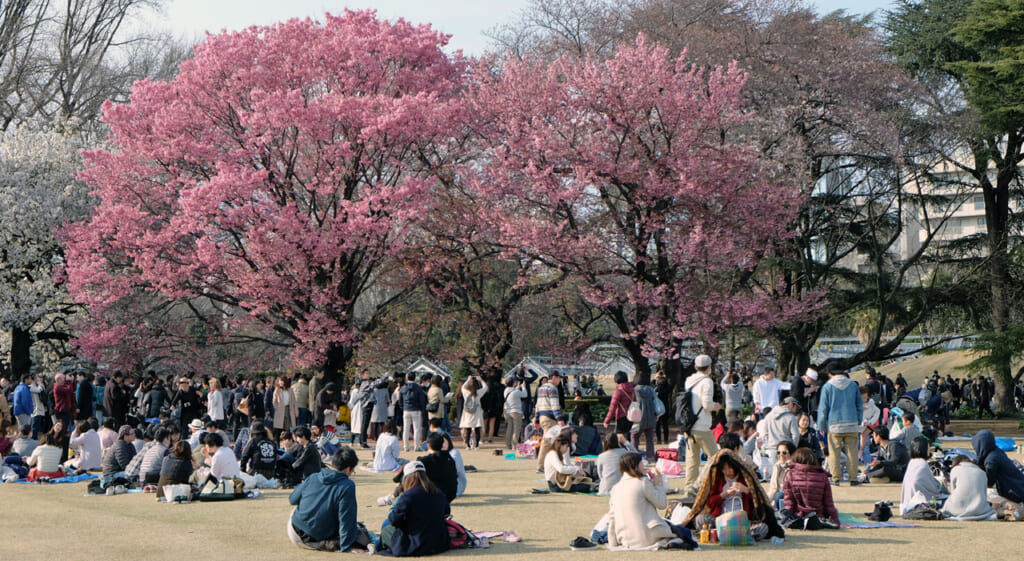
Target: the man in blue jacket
(23, 405)
(840, 410)
(324, 517)
(414, 403)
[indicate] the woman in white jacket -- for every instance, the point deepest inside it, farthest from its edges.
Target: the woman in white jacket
(215, 404)
(385, 457)
(633, 519)
(355, 406)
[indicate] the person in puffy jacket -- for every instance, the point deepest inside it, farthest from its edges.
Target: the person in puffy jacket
(807, 489)
(118, 456)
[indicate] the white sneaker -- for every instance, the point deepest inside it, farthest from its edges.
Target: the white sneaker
(386, 500)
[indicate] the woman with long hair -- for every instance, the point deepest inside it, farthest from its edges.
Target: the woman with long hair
(286, 411)
(633, 519)
(418, 516)
(561, 474)
(472, 420)
(215, 404)
(385, 457)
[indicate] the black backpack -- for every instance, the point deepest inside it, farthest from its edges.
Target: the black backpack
(685, 417)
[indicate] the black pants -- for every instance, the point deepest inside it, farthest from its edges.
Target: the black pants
(364, 430)
(661, 429)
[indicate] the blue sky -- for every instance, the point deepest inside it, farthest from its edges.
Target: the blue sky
(465, 20)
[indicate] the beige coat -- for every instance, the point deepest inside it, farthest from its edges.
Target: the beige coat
(293, 408)
(436, 395)
(633, 519)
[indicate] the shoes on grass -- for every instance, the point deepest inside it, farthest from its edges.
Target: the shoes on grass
(581, 544)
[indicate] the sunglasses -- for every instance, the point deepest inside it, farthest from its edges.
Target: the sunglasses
(783, 452)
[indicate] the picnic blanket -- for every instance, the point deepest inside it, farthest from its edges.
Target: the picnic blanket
(68, 479)
(850, 521)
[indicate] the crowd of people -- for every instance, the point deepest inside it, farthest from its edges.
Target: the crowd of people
(774, 469)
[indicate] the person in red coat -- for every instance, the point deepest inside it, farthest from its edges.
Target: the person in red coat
(807, 488)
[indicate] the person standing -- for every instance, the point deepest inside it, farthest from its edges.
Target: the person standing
(548, 412)
(703, 405)
(115, 399)
(23, 405)
(187, 402)
(732, 391)
(766, 391)
(841, 411)
(301, 390)
(63, 398)
(514, 394)
(804, 389)
(414, 405)
(285, 411)
(781, 427)
(663, 389)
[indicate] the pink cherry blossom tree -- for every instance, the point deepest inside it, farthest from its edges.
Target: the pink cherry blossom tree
(630, 174)
(267, 185)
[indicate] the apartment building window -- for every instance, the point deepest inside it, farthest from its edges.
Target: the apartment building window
(981, 222)
(979, 202)
(954, 227)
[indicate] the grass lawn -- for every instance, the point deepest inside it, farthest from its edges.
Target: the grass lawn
(58, 522)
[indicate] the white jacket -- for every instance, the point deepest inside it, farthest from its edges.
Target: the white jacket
(703, 389)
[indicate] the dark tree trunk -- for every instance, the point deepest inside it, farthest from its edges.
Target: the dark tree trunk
(21, 357)
(335, 363)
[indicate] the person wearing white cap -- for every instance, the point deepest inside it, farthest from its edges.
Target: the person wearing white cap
(703, 404)
(804, 389)
(418, 516)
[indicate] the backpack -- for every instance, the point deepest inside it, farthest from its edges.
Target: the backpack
(685, 417)
(472, 404)
(459, 537)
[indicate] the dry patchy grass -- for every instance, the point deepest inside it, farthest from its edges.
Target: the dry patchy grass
(58, 522)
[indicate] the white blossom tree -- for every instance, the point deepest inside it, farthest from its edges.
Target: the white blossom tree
(38, 194)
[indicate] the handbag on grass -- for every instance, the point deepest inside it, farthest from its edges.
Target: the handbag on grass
(734, 528)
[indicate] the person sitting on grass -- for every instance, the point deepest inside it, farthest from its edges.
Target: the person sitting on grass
(633, 519)
(177, 467)
(324, 517)
(807, 490)
(307, 460)
(44, 461)
(418, 516)
(890, 464)
(727, 485)
(119, 455)
(608, 473)
(783, 456)
(562, 475)
(968, 498)
(260, 453)
(440, 466)
(1001, 472)
(386, 455)
(919, 485)
(149, 471)
(88, 452)
(219, 457)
